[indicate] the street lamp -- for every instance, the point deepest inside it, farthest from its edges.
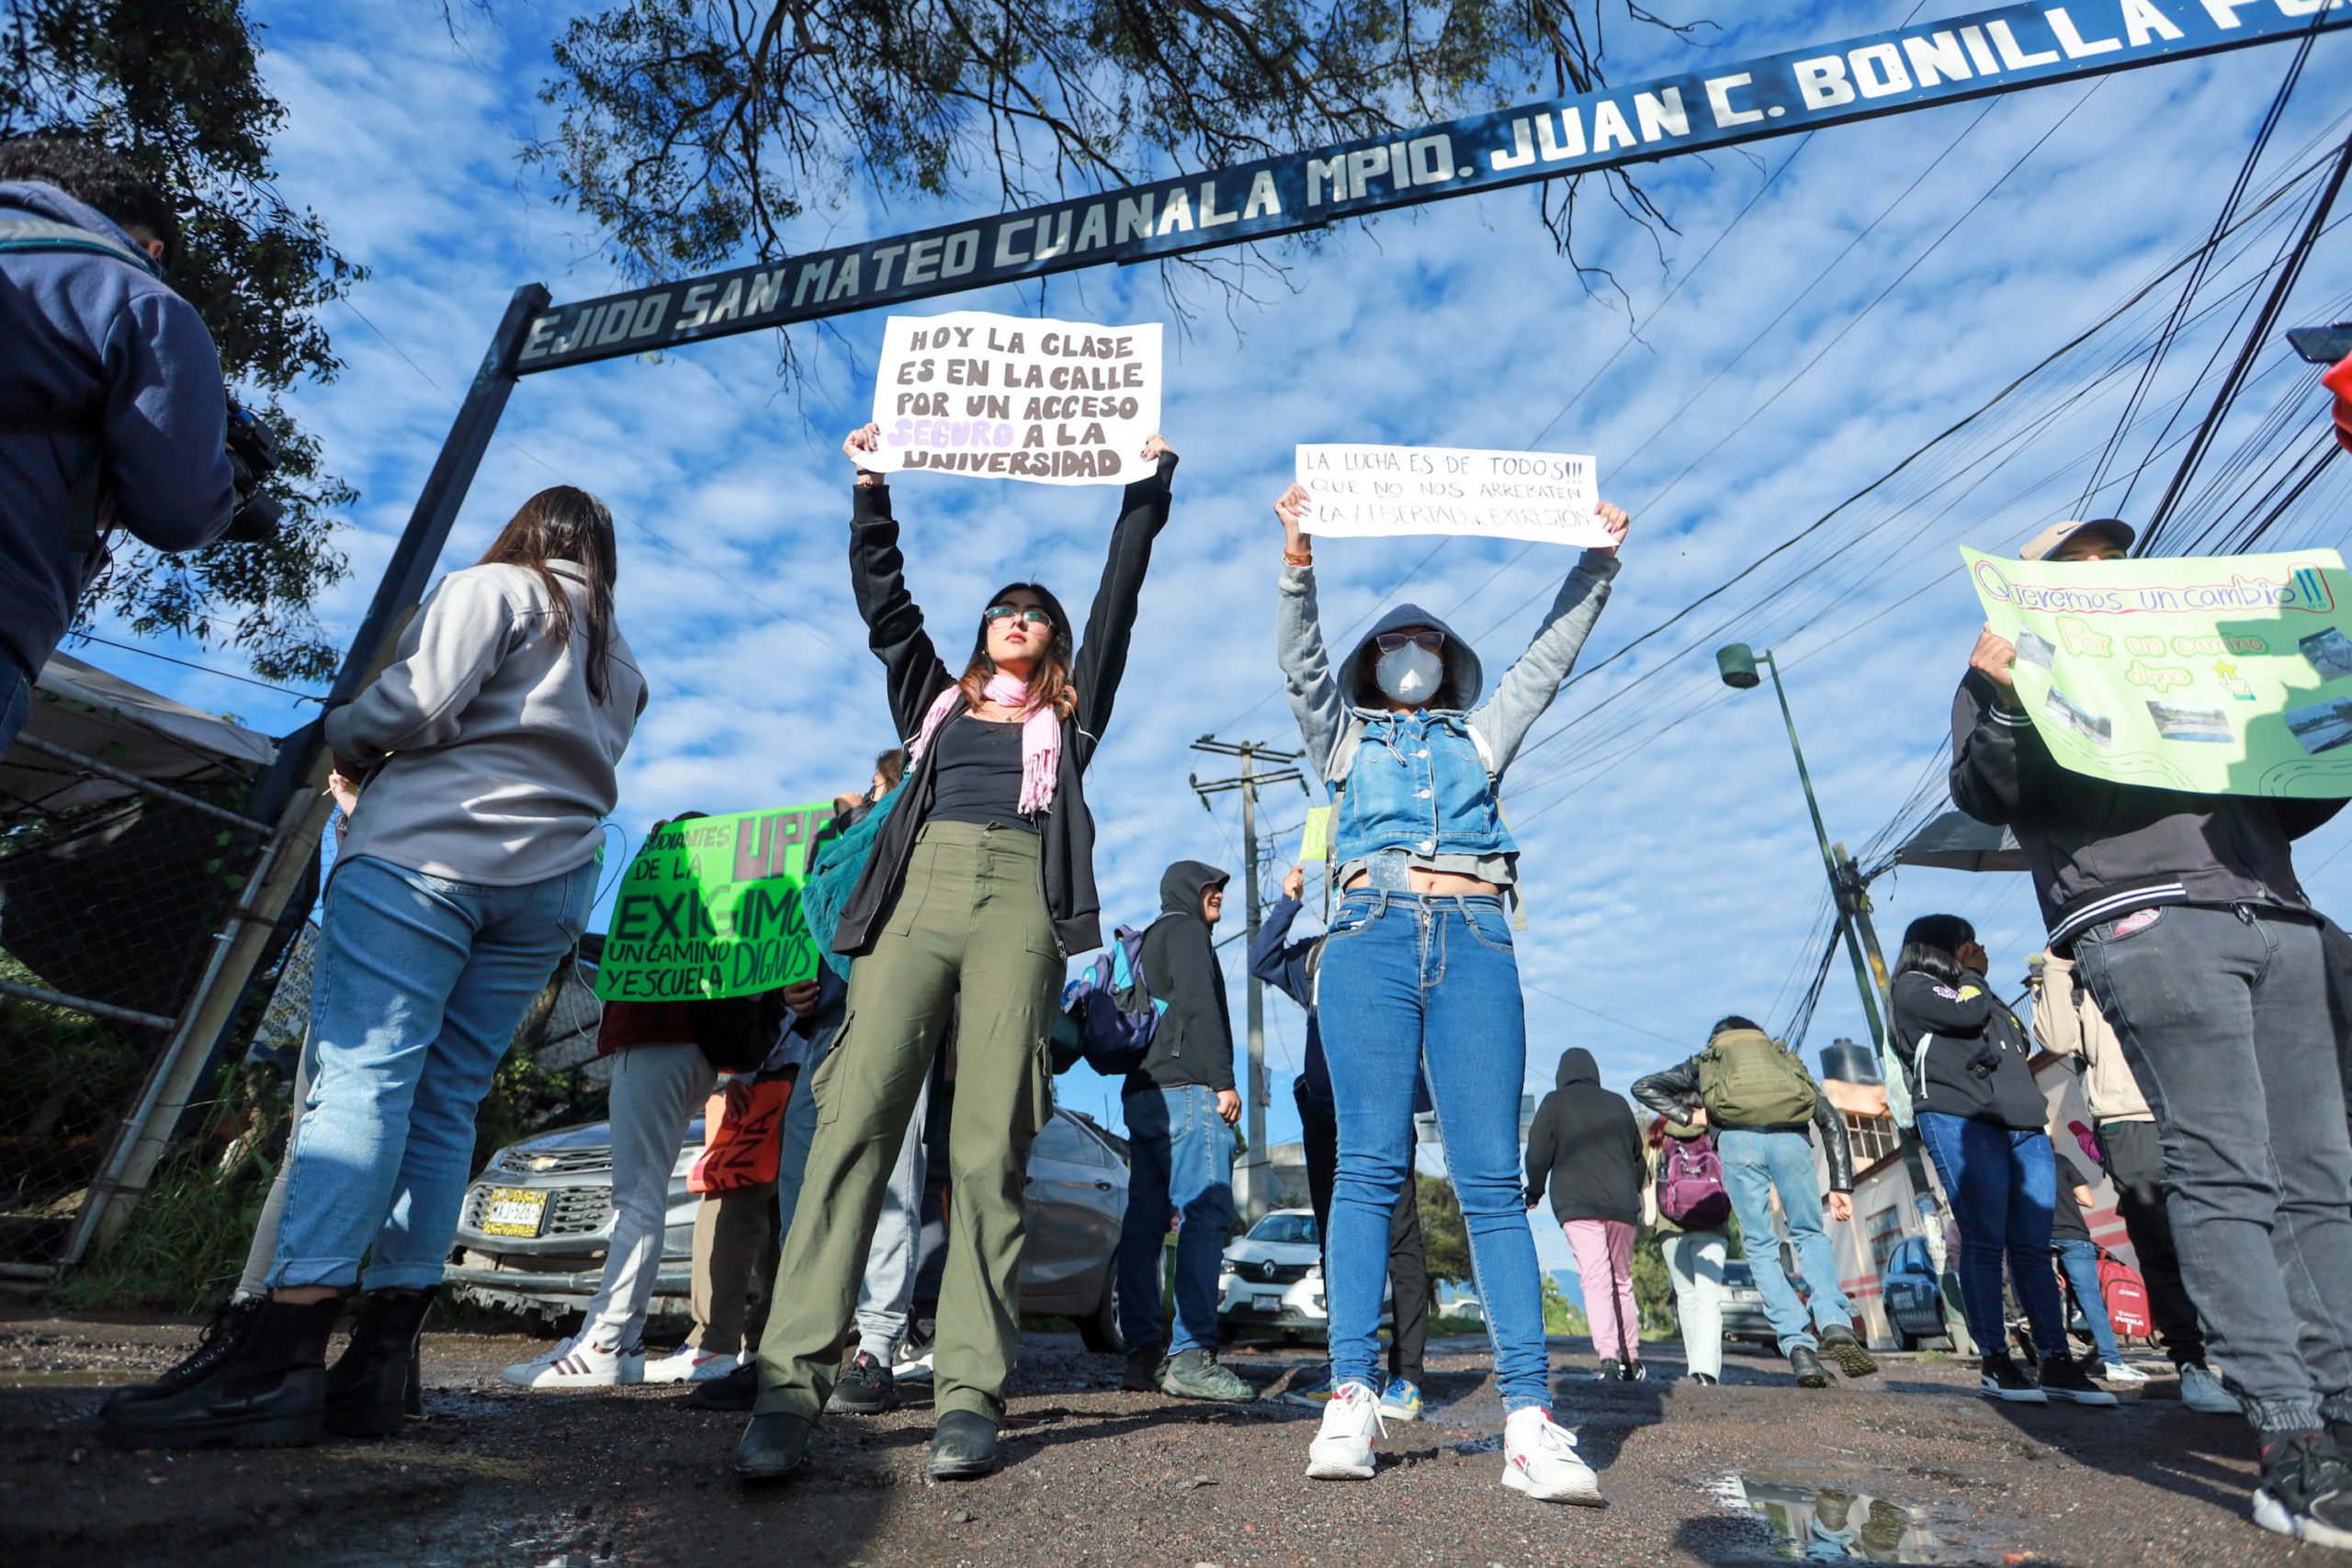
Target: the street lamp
(1736, 663)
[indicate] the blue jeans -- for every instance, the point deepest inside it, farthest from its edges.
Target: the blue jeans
(1181, 1162)
(1754, 1164)
(15, 698)
(1415, 984)
(2080, 1260)
(2003, 1183)
(419, 985)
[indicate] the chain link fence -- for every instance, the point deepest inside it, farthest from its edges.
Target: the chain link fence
(123, 853)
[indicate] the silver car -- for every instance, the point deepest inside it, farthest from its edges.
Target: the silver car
(537, 1221)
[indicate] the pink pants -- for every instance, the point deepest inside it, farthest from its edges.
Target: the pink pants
(1604, 1250)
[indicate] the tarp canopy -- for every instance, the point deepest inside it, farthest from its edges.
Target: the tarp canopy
(1957, 841)
(84, 709)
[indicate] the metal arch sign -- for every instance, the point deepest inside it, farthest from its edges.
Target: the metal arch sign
(1945, 61)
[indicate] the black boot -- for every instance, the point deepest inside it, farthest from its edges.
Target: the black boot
(368, 1386)
(1807, 1366)
(270, 1392)
(772, 1447)
(963, 1446)
(221, 1337)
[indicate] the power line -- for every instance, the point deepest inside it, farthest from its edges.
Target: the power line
(192, 664)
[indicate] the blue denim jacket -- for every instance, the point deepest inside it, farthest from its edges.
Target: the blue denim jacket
(1426, 782)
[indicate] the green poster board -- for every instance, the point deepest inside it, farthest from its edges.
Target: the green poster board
(1314, 842)
(2223, 675)
(711, 909)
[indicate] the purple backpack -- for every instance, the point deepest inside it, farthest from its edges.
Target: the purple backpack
(1690, 1188)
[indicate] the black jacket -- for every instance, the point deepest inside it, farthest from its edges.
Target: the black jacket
(1976, 1068)
(915, 676)
(1193, 1043)
(1674, 1094)
(2099, 851)
(1586, 1144)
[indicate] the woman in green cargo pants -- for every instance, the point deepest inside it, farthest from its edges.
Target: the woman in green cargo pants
(978, 888)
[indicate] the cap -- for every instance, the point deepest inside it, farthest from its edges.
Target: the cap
(2042, 546)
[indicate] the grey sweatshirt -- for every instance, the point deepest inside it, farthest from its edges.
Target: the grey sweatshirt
(501, 771)
(1332, 721)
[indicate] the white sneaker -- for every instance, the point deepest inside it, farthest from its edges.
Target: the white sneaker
(690, 1365)
(2200, 1389)
(1351, 1429)
(1540, 1459)
(911, 1362)
(574, 1365)
(2123, 1373)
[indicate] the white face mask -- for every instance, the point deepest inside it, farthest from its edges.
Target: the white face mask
(1410, 675)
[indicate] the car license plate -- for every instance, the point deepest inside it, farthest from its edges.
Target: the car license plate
(1266, 1303)
(513, 1211)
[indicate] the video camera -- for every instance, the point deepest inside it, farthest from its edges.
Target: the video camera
(253, 457)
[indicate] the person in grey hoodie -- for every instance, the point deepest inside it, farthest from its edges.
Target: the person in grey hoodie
(112, 411)
(1586, 1146)
(477, 772)
(1180, 1106)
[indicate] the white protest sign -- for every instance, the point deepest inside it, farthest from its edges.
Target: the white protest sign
(1367, 491)
(1015, 398)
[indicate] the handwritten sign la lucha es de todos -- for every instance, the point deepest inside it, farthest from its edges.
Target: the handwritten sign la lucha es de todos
(710, 908)
(2227, 675)
(1015, 398)
(1356, 491)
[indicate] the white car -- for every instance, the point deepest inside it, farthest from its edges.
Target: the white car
(1272, 1279)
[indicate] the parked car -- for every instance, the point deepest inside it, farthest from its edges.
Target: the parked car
(1744, 1315)
(535, 1225)
(1912, 1295)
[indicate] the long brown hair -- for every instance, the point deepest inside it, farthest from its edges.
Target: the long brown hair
(565, 523)
(1050, 682)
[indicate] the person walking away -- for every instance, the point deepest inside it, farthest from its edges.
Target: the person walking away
(1761, 1105)
(1979, 1113)
(112, 409)
(1180, 1106)
(1585, 1144)
(2068, 1023)
(1291, 968)
(1688, 1205)
(2189, 929)
(2076, 1256)
(1419, 975)
(978, 885)
(483, 759)
(669, 1058)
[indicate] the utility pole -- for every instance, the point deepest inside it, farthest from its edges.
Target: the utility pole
(1256, 1186)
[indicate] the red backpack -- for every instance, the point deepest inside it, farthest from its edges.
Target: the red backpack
(2126, 1295)
(1690, 1188)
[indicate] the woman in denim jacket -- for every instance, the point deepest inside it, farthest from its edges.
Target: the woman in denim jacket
(1420, 973)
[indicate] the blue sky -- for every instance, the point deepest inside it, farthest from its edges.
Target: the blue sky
(1670, 873)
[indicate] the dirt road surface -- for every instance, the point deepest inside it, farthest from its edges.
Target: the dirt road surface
(1911, 1465)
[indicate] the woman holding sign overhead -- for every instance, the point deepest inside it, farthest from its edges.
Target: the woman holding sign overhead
(483, 762)
(980, 885)
(1419, 975)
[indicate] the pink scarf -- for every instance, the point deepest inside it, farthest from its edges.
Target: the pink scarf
(1041, 737)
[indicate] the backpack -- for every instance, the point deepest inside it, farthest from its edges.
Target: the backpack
(835, 865)
(1747, 1079)
(2126, 1295)
(1114, 1010)
(1690, 1188)
(1898, 1078)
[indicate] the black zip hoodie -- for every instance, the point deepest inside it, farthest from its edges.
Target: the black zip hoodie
(1585, 1142)
(1976, 1068)
(1193, 1043)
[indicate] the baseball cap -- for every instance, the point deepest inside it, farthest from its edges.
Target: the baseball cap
(2042, 546)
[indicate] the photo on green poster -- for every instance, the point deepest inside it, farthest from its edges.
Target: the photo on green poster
(710, 908)
(2220, 675)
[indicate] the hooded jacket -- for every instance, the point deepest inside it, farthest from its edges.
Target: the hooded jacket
(2099, 851)
(109, 384)
(1585, 1144)
(1975, 1066)
(1674, 1094)
(1193, 1043)
(1335, 710)
(914, 676)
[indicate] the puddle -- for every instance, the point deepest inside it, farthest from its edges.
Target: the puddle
(1832, 1524)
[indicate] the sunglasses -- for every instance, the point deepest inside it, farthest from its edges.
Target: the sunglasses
(1389, 642)
(1032, 617)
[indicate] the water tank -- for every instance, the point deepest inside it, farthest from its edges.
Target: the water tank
(1849, 1063)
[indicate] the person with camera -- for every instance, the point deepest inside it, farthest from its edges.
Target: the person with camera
(112, 410)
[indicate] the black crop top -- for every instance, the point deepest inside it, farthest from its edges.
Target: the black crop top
(978, 780)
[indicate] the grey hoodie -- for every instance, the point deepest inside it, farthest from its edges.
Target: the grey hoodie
(1193, 1043)
(1331, 721)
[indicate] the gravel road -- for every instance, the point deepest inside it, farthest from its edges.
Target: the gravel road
(1907, 1466)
